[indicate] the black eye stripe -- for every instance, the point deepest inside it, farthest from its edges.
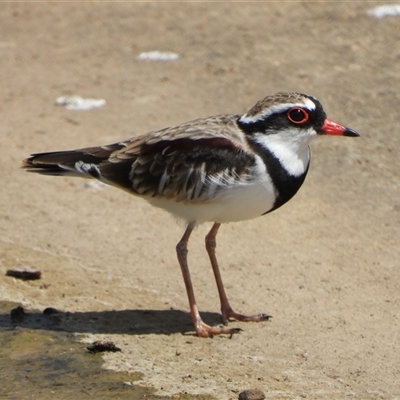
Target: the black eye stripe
(274, 123)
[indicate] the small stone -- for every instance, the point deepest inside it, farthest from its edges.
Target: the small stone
(251, 394)
(26, 272)
(17, 314)
(50, 311)
(100, 346)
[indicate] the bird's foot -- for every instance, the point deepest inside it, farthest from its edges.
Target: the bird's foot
(204, 330)
(228, 314)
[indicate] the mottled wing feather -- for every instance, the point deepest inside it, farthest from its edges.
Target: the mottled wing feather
(190, 162)
(182, 169)
(183, 163)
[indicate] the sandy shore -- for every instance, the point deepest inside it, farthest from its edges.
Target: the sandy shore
(326, 265)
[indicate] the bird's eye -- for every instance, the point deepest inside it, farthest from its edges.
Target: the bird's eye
(297, 115)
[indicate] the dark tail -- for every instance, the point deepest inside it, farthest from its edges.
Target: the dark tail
(82, 162)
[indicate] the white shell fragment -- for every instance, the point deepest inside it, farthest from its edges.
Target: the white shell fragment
(158, 56)
(389, 10)
(78, 103)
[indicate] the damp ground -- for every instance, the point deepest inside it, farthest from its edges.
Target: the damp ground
(49, 363)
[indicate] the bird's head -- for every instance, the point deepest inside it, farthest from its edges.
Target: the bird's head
(292, 116)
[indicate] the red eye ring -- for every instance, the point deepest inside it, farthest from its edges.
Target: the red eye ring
(298, 115)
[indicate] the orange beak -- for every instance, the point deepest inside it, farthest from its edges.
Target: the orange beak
(332, 128)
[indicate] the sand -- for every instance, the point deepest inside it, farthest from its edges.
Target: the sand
(325, 265)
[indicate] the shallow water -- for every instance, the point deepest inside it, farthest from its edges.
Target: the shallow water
(53, 364)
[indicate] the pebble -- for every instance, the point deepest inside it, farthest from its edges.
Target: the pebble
(251, 394)
(102, 345)
(50, 311)
(26, 272)
(17, 314)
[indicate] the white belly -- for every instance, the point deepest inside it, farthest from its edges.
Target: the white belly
(237, 203)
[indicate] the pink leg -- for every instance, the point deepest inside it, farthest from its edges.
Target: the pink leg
(226, 309)
(201, 328)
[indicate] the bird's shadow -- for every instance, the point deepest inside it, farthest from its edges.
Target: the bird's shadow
(133, 322)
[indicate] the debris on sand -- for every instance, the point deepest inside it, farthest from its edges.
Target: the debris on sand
(251, 394)
(28, 272)
(100, 346)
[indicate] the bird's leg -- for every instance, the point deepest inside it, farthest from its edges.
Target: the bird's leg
(226, 309)
(201, 328)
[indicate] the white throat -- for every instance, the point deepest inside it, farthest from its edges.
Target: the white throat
(290, 147)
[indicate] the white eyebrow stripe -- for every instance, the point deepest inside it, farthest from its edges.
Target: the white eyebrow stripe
(276, 109)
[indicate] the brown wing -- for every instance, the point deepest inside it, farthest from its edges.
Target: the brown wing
(182, 168)
(187, 162)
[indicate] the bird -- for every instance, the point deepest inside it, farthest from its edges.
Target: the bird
(219, 169)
